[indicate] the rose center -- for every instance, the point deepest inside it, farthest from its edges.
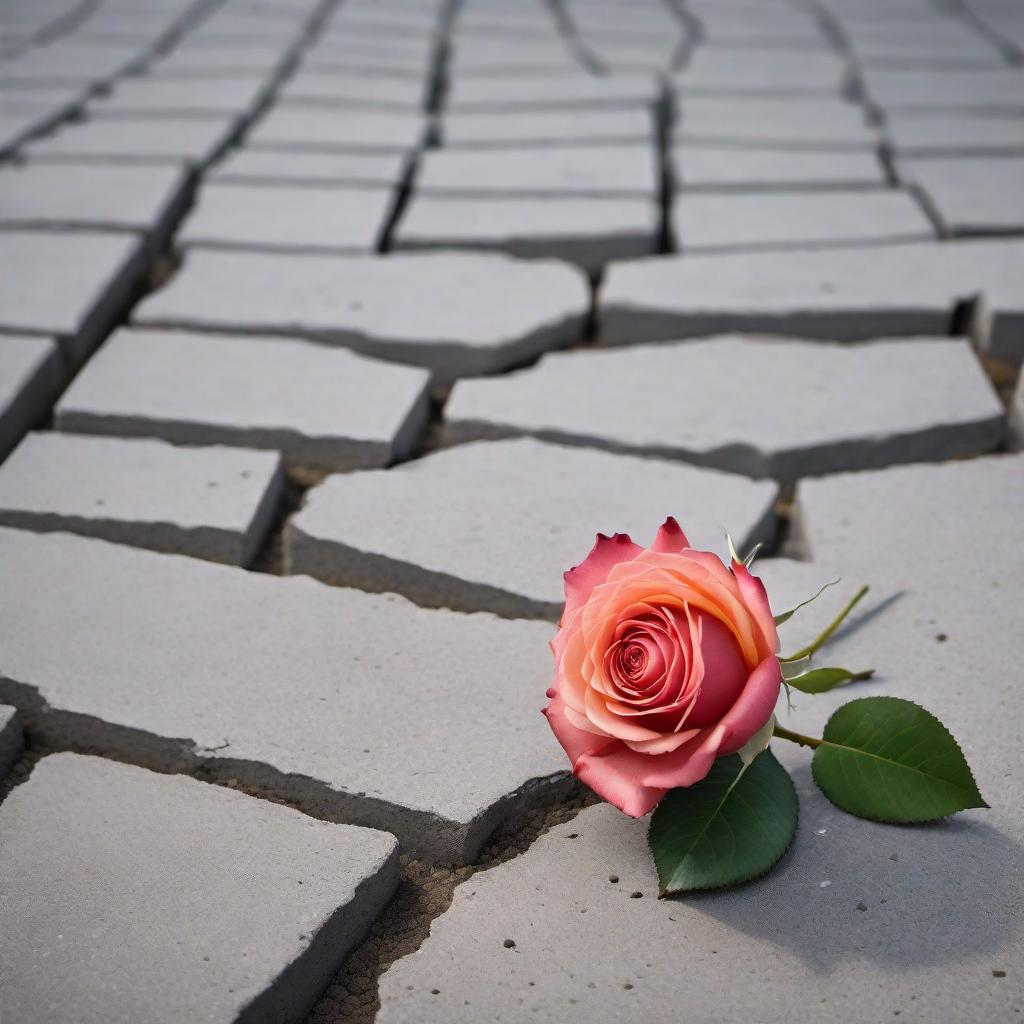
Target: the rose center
(633, 661)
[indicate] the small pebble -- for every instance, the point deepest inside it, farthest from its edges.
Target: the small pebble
(999, 974)
(824, 885)
(862, 905)
(635, 895)
(509, 943)
(613, 879)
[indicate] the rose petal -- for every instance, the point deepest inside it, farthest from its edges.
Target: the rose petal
(754, 707)
(670, 537)
(606, 553)
(575, 742)
(614, 773)
(756, 599)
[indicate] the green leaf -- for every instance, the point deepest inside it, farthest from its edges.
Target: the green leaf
(888, 759)
(786, 616)
(821, 680)
(730, 827)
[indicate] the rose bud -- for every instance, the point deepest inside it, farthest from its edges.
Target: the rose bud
(664, 660)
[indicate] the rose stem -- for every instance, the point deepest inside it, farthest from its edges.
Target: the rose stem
(795, 737)
(806, 652)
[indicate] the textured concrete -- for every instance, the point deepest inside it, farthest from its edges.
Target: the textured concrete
(794, 409)
(457, 314)
(726, 167)
(588, 232)
(144, 140)
(214, 503)
(841, 293)
(344, 131)
(589, 171)
(711, 223)
(971, 196)
(464, 528)
(901, 89)
(384, 92)
(31, 377)
(98, 197)
(321, 408)
(935, 133)
(268, 166)
(325, 696)
(803, 124)
(69, 285)
(11, 742)
(286, 219)
(108, 920)
(818, 72)
(549, 128)
(153, 96)
(525, 92)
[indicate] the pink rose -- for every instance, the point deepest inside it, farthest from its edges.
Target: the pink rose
(664, 660)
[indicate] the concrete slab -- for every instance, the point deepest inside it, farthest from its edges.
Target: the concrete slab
(802, 123)
(726, 71)
(69, 285)
(899, 89)
(723, 168)
(135, 860)
(31, 377)
(286, 219)
(321, 408)
(583, 171)
(457, 314)
(977, 196)
(11, 742)
(343, 131)
(548, 128)
(214, 503)
(349, 705)
(588, 232)
(269, 167)
(154, 96)
(841, 293)
(797, 408)
(798, 220)
(362, 91)
(146, 140)
(417, 529)
(98, 197)
(542, 92)
(954, 134)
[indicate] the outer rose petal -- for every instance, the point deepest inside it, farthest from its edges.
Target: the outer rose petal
(575, 742)
(615, 776)
(754, 707)
(606, 553)
(670, 537)
(756, 599)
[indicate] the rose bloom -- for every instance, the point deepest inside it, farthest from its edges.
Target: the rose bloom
(664, 660)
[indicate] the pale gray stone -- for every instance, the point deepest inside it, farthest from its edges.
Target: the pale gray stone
(458, 314)
(806, 123)
(62, 62)
(11, 742)
(351, 130)
(492, 525)
(899, 89)
(71, 285)
(153, 96)
(971, 196)
(724, 70)
(322, 408)
(840, 293)
(710, 223)
(581, 171)
(585, 231)
(728, 167)
(352, 706)
(141, 896)
(287, 219)
(954, 134)
(548, 128)
(215, 503)
(540, 92)
(87, 195)
(31, 376)
(367, 92)
(226, 61)
(789, 408)
(143, 140)
(269, 166)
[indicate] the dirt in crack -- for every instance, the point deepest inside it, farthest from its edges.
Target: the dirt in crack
(425, 892)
